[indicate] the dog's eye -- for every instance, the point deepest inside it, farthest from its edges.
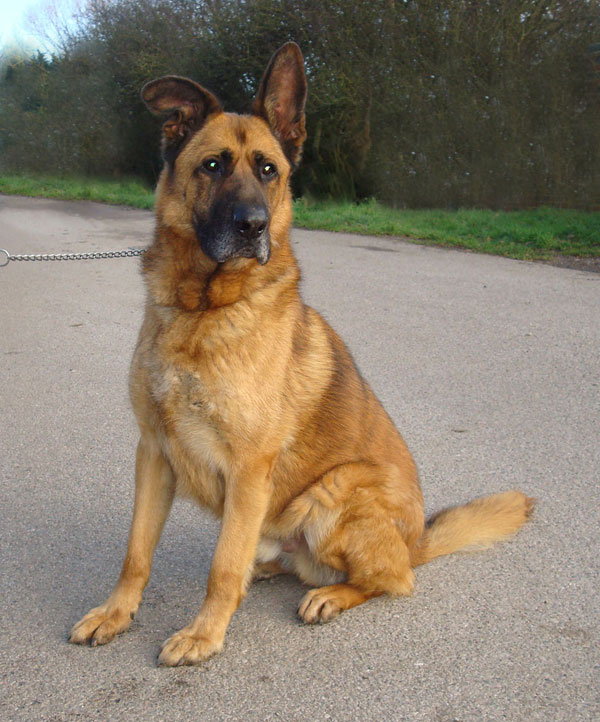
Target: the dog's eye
(211, 165)
(268, 170)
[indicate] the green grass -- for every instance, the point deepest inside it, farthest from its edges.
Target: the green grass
(532, 234)
(538, 234)
(123, 192)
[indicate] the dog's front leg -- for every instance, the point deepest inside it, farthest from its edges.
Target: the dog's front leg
(154, 491)
(246, 501)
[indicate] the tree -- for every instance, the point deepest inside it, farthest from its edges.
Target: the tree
(416, 102)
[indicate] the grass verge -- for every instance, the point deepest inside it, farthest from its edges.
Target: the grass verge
(538, 234)
(122, 192)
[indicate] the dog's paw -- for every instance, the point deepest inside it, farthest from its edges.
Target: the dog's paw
(185, 647)
(267, 570)
(100, 625)
(320, 605)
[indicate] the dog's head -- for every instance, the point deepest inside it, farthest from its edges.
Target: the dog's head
(226, 175)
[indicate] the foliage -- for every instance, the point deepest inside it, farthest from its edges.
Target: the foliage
(419, 103)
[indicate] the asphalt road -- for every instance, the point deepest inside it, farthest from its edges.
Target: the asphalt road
(490, 367)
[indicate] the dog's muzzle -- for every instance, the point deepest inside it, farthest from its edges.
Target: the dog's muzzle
(241, 231)
(251, 225)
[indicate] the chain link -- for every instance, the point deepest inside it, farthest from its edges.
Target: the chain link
(4, 260)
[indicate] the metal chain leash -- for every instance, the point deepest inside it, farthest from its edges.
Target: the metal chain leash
(7, 257)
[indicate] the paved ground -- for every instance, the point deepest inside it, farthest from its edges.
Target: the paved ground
(490, 369)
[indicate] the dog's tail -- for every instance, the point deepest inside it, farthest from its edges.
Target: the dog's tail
(475, 525)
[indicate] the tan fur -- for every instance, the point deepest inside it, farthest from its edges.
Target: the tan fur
(249, 403)
(474, 526)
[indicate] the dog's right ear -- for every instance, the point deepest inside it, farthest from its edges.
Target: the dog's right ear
(187, 106)
(281, 99)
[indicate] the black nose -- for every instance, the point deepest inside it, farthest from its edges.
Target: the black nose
(250, 221)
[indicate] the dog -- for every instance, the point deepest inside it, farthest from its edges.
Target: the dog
(249, 403)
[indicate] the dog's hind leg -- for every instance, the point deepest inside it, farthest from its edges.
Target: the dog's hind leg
(367, 545)
(377, 562)
(326, 603)
(266, 563)
(154, 491)
(267, 570)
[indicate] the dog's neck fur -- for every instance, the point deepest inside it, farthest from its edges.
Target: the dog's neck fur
(178, 274)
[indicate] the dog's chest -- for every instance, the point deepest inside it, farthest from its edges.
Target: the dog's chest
(207, 406)
(212, 388)
(196, 412)
(191, 432)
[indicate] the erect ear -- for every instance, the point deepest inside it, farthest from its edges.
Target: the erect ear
(186, 104)
(281, 99)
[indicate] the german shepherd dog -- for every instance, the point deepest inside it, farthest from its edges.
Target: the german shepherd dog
(249, 403)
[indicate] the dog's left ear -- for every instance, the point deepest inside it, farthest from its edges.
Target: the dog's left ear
(281, 99)
(187, 106)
